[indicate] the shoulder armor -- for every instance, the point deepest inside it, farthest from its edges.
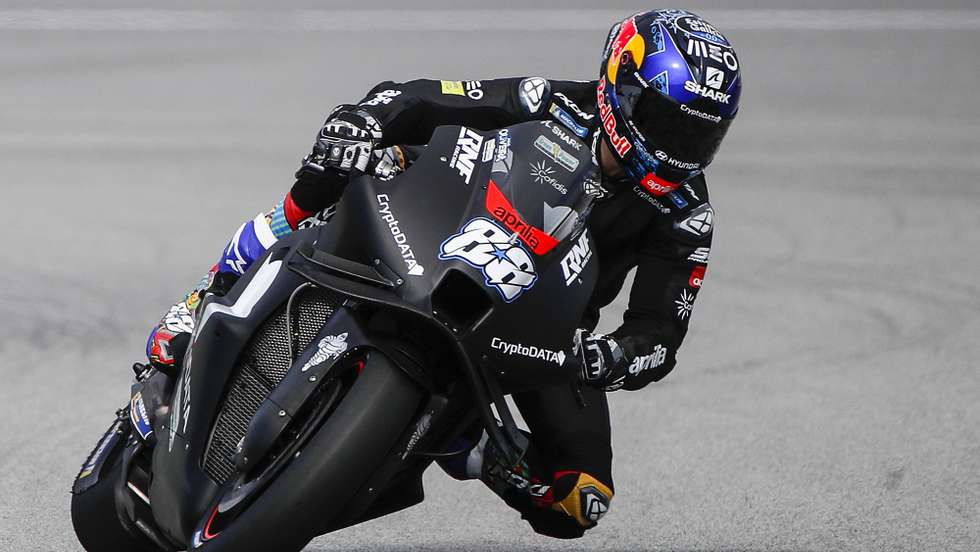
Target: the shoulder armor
(533, 91)
(698, 223)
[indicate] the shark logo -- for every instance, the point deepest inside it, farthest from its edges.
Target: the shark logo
(331, 346)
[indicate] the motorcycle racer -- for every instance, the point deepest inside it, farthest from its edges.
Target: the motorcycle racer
(668, 89)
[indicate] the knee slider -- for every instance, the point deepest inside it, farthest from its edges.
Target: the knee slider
(587, 498)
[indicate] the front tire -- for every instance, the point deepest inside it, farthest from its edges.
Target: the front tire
(339, 458)
(94, 515)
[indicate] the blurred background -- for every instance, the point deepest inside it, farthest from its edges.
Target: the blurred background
(826, 397)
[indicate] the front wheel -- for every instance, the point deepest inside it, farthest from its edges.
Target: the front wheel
(93, 506)
(325, 475)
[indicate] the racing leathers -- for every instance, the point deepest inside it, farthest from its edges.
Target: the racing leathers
(665, 235)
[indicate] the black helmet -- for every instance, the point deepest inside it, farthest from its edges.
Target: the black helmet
(668, 90)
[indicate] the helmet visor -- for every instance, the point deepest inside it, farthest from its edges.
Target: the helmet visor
(682, 137)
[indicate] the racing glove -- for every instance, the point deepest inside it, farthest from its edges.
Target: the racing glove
(346, 141)
(603, 363)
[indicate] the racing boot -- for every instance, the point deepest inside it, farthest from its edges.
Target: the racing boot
(168, 340)
(563, 505)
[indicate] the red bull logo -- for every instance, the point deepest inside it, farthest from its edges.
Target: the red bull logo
(619, 143)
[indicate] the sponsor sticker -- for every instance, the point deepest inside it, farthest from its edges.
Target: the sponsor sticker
(488, 150)
(697, 276)
(700, 255)
(573, 143)
(474, 90)
(564, 118)
(651, 200)
(620, 144)
(666, 158)
(382, 98)
(577, 259)
(655, 359)
(700, 114)
(544, 174)
(698, 27)
(139, 417)
(503, 145)
(466, 153)
(678, 199)
(483, 244)
(553, 150)
(401, 240)
(502, 210)
(530, 351)
(706, 92)
(318, 219)
(574, 107)
(721, 54)
(690, 190)
(453, 88)
(656, 185)
(685, 304)
(331, 346)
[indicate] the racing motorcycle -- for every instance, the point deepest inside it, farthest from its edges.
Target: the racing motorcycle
(317, 390)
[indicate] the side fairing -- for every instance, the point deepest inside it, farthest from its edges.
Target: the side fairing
(181, 491)
(505, 209)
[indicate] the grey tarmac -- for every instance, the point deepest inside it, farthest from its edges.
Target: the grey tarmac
(826, 397)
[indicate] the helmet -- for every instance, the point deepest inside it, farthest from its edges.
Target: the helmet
(668, 90)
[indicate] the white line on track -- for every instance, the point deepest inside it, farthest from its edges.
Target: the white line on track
(442, 20)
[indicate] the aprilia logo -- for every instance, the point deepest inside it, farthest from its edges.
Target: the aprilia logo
(657, 186)
(502, 210)
(577, 258)
(466, 153)
(649, 362)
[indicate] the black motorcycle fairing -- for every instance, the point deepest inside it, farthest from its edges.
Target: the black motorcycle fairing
(183, 492)
(409, 225)
(517, 192)
(342, 336)
(180, 490)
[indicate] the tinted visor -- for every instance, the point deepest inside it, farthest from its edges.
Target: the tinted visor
(687, 134)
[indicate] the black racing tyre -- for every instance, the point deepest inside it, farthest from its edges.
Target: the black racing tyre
(338, 459)
(93, 514)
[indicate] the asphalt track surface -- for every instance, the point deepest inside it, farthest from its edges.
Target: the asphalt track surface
(826, 397)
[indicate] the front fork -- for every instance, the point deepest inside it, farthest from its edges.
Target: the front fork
(149, 402)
